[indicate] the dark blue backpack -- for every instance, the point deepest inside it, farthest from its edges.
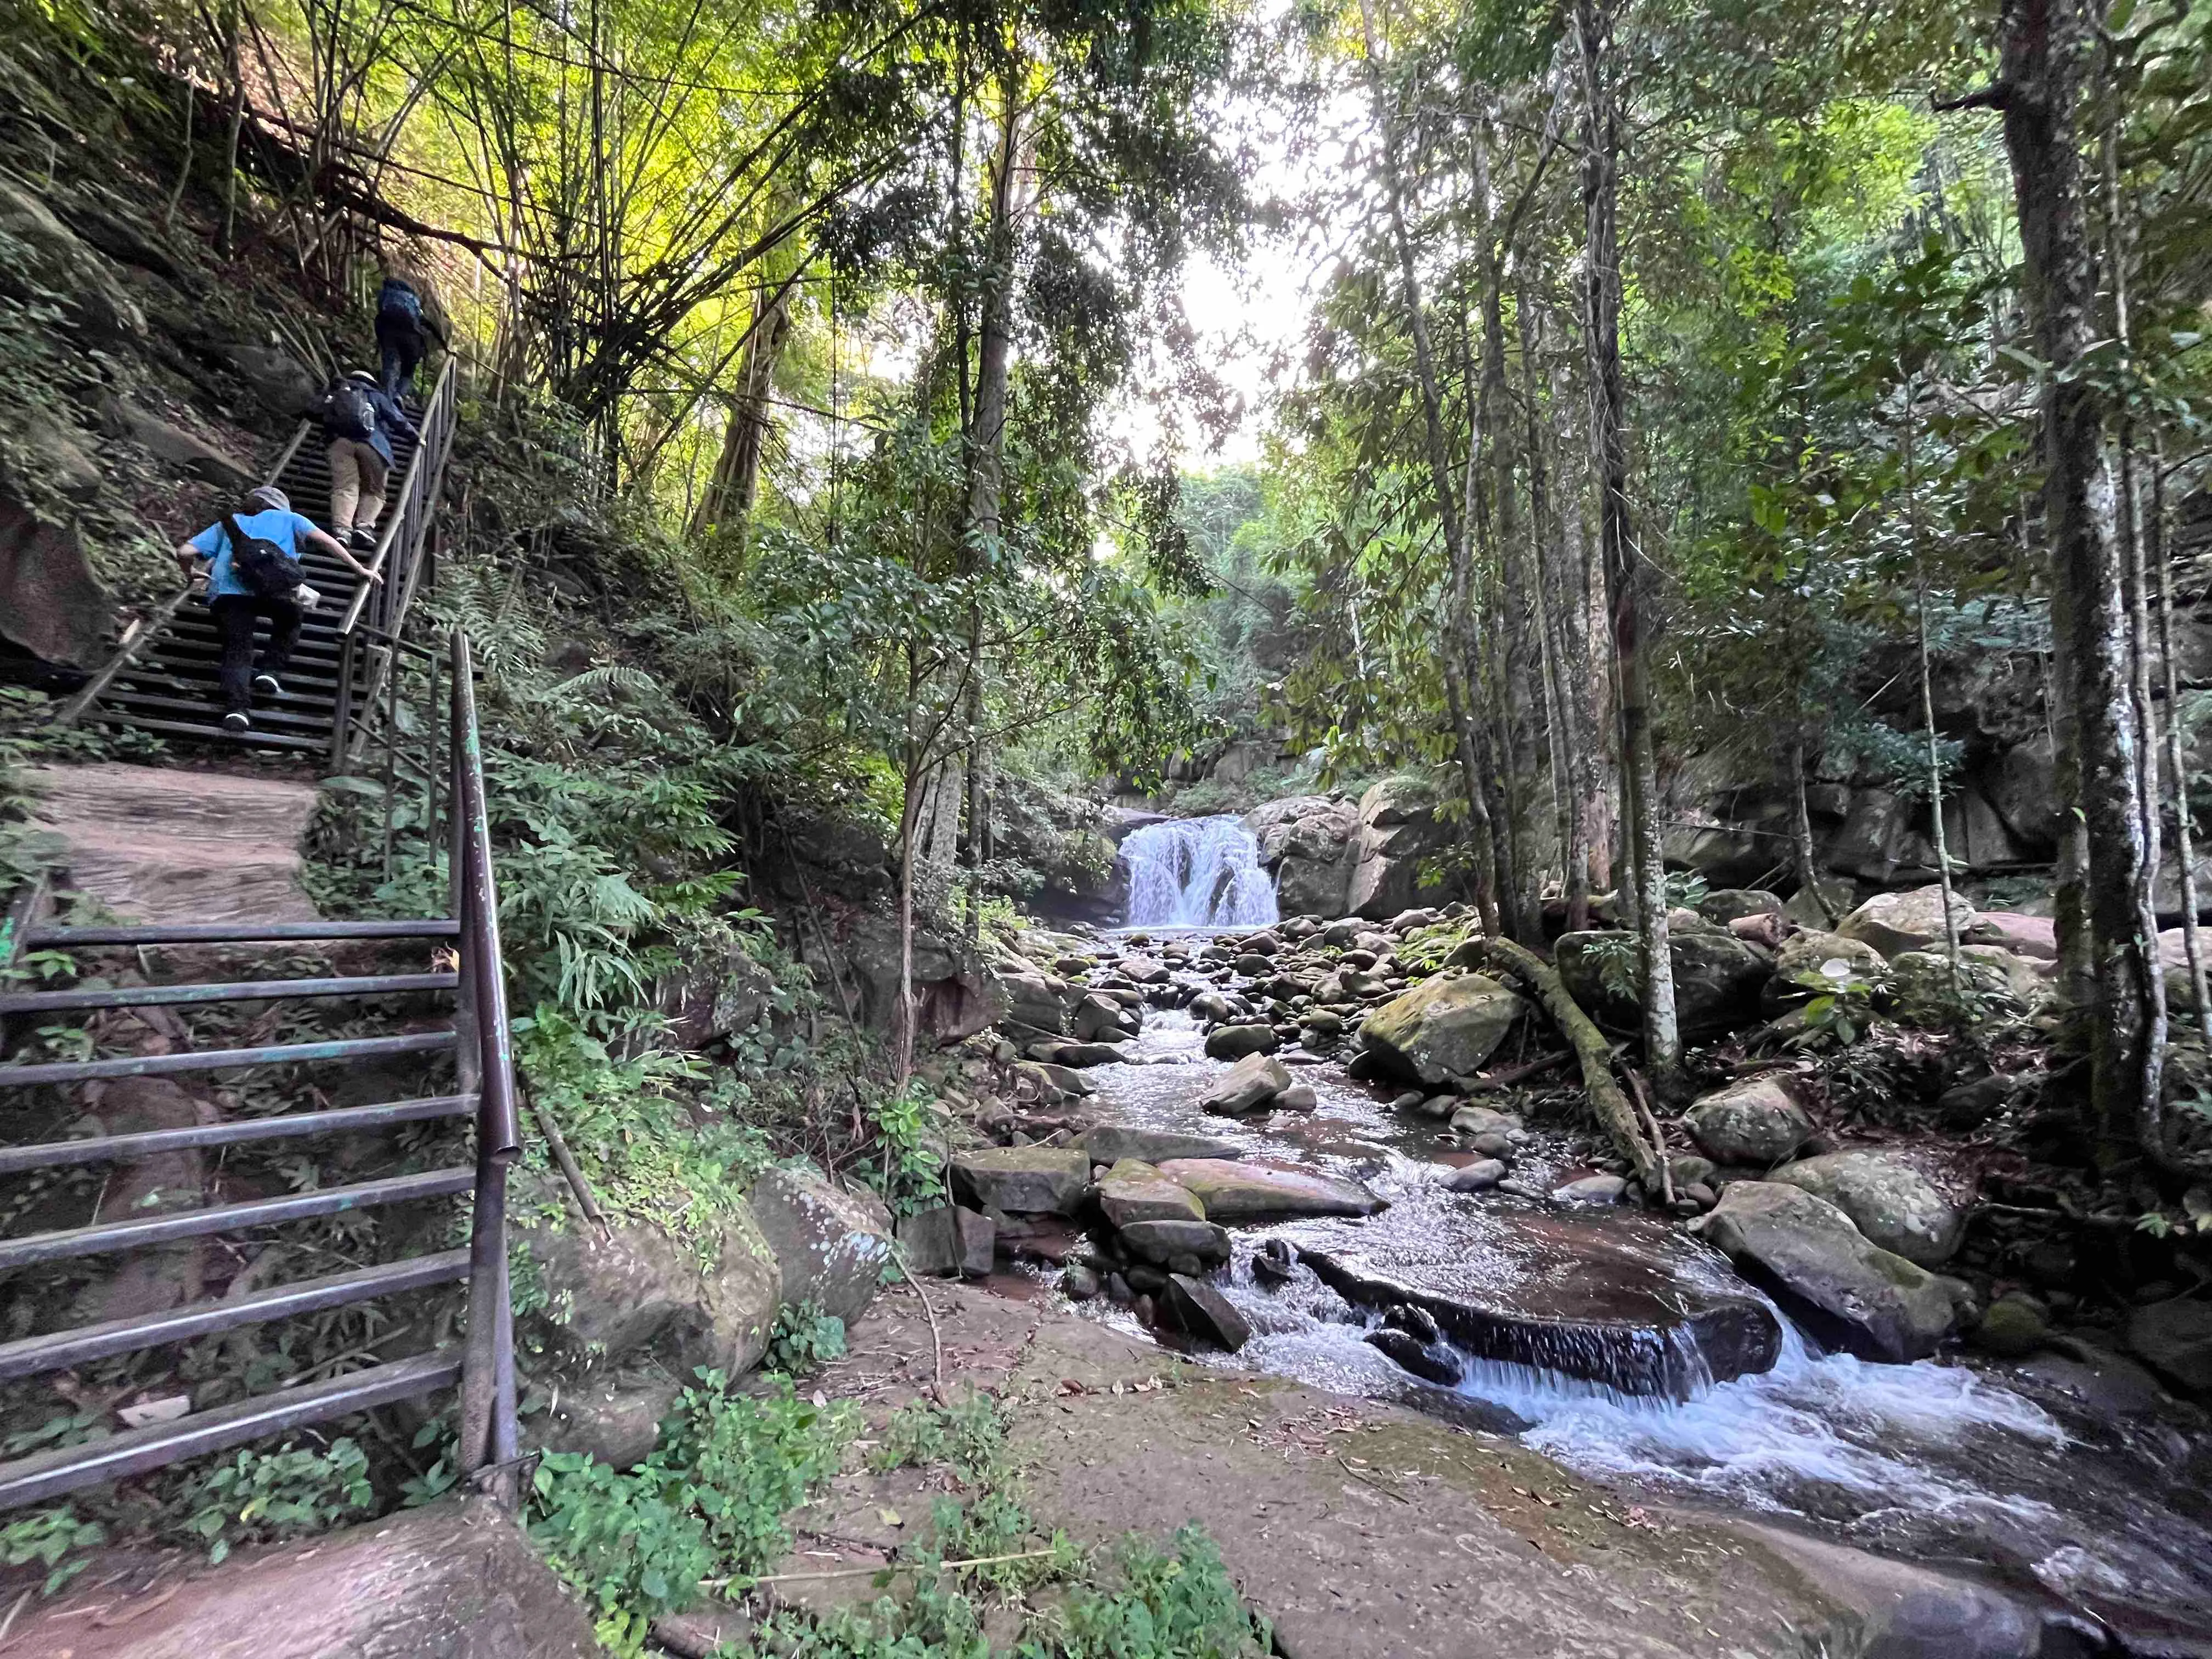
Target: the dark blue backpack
(397, 302)
(268, 571)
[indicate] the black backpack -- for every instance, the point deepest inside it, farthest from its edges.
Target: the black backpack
(348, 412)
(268, 571)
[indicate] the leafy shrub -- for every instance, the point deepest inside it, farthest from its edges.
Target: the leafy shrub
(967, 1435)
(804, 1339)
(46, 1536)
(708, 1502)
(260, 1497)
(1181, 1606)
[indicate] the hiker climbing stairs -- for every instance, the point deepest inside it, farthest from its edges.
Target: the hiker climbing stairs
(163, 678)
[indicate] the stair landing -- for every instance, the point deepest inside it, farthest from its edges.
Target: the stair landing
(453, 1580)
(168, 844)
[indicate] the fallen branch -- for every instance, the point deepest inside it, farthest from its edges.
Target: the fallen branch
(1613, 1107)
(883, 1566)
(1516, 1074)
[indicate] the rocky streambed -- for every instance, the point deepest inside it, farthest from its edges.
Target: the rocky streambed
(1257, 1203)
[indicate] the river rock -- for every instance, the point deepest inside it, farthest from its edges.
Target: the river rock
(1235, 1041)
(1217, 1005)
(1167, 1239)
(1260, 1192)
(1298, 1097)
(943, 1241)
(1848, 1291)
(832, 1245)
(1143, 970)
(1476, 1120)
(1024, 1180)
(1077, 1056)
(1757, 1121)
(1110, 1143)
(1591, 1189)
(1623, 1300)
(1408, 1352)
(1196, 1309)
(1446, 1027)
(1133, 1192)
(1478, 1176)
(1891, 1201)
(1251, 1086)
(2174, 1339)
(1896, 922)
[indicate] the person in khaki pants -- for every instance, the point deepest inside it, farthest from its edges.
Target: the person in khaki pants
(359, 420)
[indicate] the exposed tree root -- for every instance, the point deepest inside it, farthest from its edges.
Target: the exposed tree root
(1613, 1108)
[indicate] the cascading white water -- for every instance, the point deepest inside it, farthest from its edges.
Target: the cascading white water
(1197, 872)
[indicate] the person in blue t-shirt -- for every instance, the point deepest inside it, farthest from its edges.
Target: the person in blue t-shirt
(266, 514)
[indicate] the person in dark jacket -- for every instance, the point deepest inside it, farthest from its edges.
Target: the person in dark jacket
(360, 419)
(403, 331)
(265, 515)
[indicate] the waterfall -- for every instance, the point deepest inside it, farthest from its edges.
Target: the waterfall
(1197, 872)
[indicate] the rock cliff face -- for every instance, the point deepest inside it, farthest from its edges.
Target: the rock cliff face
(1332, 857)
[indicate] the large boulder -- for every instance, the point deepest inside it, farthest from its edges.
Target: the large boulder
(1758, 1121)
(1398, 829)
(945, 1241)
(1897, 922)
(1306, 840)
(49, 264)
(1728, 904)
(833, 1245)
(1847, 1290)
(2022, 789)
(956, 993)
(1445, 1027)
(1806, 955)
(1251, 1086)
(2175, 1339)
(2034, 937)
(1892, 1201)
(1717, 978)
(1258, 1192)
(1922, 981)
(1022, 1180)
(642, 1289)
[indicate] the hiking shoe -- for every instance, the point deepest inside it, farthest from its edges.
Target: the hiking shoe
(236, 721)
(268, 684)
(364, 538)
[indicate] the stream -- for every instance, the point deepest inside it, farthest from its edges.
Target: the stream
(2046, 1473)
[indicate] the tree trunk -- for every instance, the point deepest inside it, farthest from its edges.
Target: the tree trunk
(1623, 567)
(2045, 50)
(1459, 688)
(2185, 851)
(735, 485)
(1583, 621)
(1561, 715)
(1800, 834)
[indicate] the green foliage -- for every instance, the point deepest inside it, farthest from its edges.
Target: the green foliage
(803, 1338)
(1618, 969)
(47, 1536)
(261, 1496)
(967, 1436)
(710, 1501)
(1177, 1606)
(631, 1132)
(909, 1170)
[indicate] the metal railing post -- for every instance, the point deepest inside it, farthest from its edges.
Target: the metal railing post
(488, 1434)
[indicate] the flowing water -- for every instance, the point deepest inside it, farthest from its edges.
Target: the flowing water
(1930, 1461)
(1197, 872)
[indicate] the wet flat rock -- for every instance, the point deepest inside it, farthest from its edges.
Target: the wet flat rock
(1617, 1301)
(1261, 1192)
(453, 1580)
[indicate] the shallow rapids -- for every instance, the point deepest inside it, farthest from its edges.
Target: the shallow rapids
(1933, 1461)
